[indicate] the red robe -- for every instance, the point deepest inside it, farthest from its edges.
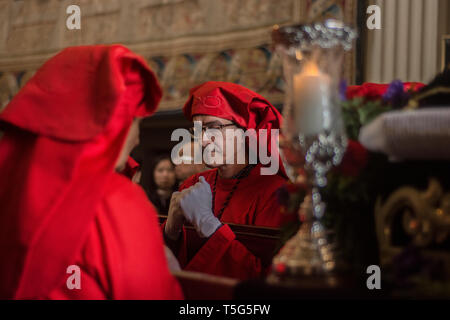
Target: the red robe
(62, 203)
(255, 200)
(253, 203)
(122, 256)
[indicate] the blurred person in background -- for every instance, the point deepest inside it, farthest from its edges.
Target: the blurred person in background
(132, 170)
(162, 183)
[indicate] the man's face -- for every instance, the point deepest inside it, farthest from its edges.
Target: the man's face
(188, 168)
(219, 147)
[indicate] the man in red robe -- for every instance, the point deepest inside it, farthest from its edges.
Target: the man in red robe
(71, 226)
(230, 192)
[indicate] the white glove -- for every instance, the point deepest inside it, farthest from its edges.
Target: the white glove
(196, 203)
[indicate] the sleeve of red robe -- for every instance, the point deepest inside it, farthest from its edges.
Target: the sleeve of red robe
(222, 254)
(123, 256)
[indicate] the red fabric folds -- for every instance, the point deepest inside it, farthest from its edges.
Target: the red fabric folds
(63, 133)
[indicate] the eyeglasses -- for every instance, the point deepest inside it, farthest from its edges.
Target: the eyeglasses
(208, 127)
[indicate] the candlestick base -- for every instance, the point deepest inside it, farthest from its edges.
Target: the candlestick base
(309, 252)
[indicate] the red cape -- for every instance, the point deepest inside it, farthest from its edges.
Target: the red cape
(59, 193)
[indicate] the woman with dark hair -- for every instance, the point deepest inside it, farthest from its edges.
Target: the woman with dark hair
(162, 183)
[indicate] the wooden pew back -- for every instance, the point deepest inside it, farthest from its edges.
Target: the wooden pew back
(261, 241)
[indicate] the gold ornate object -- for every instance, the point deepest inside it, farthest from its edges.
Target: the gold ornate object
(308, 252)
(414, 102)
(425, 218)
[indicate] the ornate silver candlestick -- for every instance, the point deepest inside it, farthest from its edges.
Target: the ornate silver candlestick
(313, 134)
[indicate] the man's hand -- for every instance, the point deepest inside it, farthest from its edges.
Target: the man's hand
(175, 219)
(196, 204)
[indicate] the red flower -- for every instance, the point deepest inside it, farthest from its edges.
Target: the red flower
(374, 91)
(370, 91)
(355, 159)
(413, 86)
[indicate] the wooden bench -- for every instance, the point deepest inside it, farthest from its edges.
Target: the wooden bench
(202, 286)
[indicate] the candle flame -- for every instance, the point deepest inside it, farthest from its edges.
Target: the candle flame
(311, 69)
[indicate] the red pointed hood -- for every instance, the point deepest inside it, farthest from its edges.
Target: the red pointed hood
(63, 133)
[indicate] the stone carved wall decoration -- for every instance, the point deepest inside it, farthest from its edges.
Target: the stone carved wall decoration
(253, 13)
(32, 25)
(324, 9)
(186, 42)
(256, 68)
(171, 18)
(176, 80)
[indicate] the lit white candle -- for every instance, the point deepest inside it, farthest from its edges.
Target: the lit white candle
(312, 100)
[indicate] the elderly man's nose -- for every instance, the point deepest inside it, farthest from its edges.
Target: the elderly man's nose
(206, 140)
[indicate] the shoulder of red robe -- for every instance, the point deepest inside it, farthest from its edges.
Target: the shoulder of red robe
(120, 192)
(81, 87)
